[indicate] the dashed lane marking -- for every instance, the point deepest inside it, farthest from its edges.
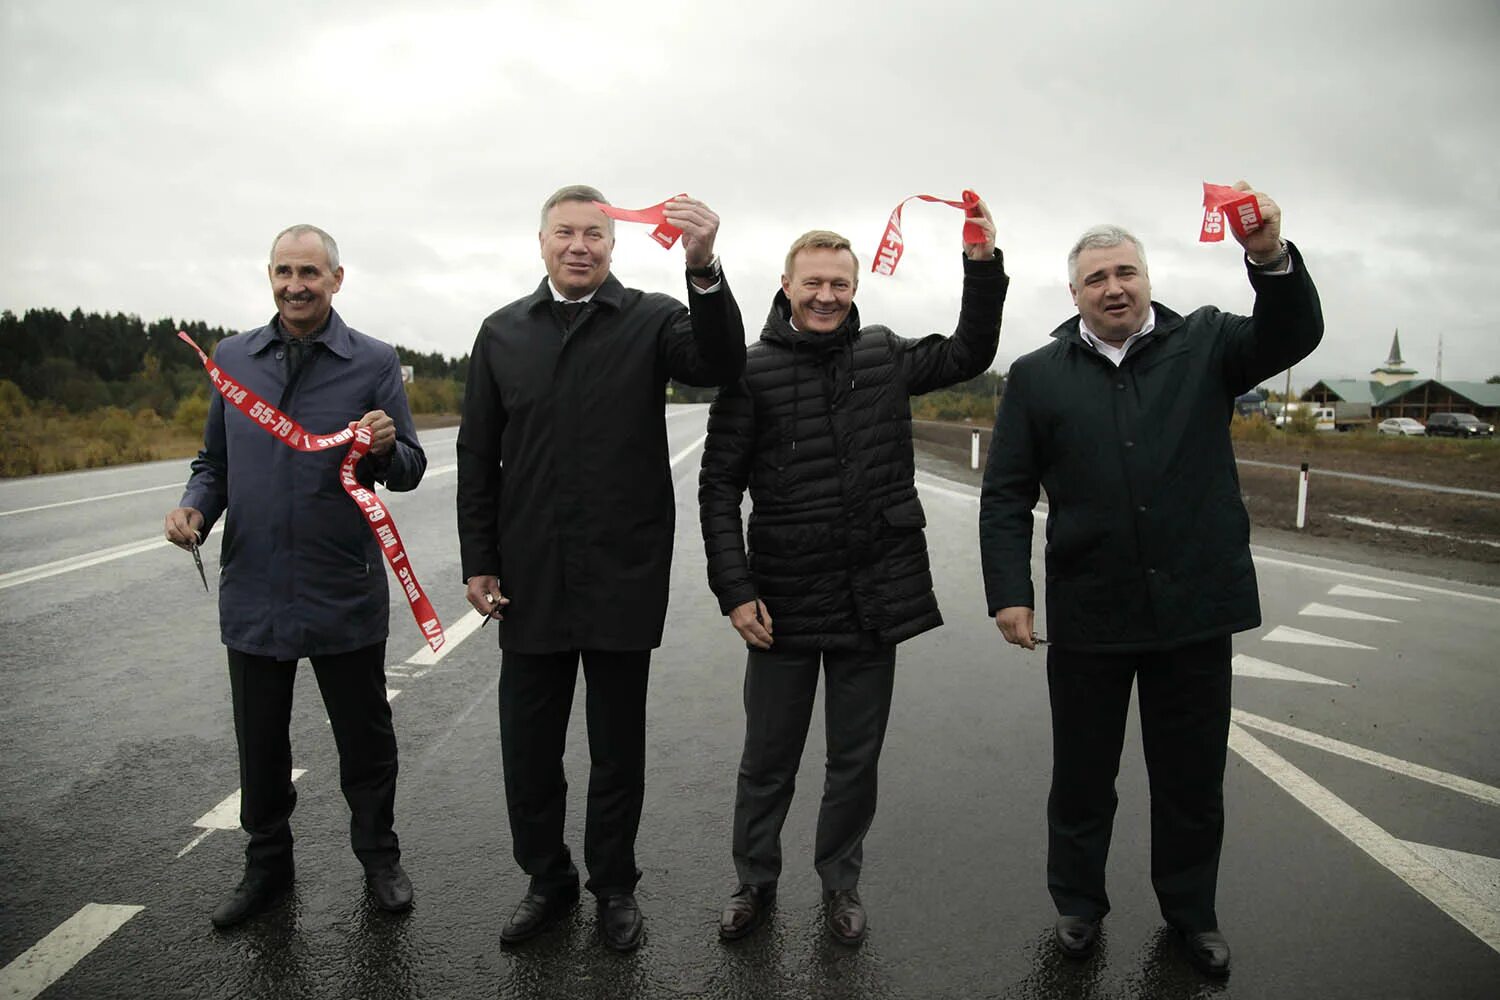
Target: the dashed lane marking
(1368, 578)
(102, 496)
(47, 961)
(1452, 898)
(1329, 611)
(1454, 783)
(1250, 666)
(224, 816)
(1344, 590)
(1285, 633)
(17, 577)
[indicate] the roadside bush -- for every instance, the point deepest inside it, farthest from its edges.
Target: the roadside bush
(1303, 421)
(1252, 428)
(13, 402)
(191, 414)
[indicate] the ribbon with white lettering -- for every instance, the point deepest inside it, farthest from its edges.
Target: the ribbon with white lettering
(290, 433)
(1222, 203)
(665, 233)
(892, 245)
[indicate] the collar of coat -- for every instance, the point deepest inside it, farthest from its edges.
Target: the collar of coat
(1167, 323)
(335, 336)
(611, 294)
(779, 329)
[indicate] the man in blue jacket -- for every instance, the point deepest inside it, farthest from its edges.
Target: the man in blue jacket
(300, 572)
(1124, 420)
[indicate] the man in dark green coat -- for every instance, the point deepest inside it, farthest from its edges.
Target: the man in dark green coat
(1124, 420)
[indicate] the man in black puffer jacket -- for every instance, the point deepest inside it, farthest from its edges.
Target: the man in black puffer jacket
(819, 429)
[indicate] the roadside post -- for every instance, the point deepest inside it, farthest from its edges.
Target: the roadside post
(1302, 498)
(974, 448)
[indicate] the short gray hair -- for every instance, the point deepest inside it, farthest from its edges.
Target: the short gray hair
(1102, 238)
(330, 248)
(574, 192)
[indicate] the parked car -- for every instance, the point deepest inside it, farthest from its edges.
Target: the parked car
(1404, 426)
(1459, 425)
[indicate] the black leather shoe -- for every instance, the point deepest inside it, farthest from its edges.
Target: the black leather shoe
(846, 916)
(620, 922)
(1208, 951)
(1077, 936)
(257, 890)
(536, 912)
(390, 887)
(746, 910)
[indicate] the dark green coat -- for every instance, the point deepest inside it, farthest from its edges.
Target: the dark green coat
(1148, 540)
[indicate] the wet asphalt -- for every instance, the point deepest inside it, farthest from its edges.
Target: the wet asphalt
(115, 736)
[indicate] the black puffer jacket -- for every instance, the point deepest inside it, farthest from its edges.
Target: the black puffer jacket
(819, 429)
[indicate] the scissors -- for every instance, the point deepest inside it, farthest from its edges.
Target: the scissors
(198, 561)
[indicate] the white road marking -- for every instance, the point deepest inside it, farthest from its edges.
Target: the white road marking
(684, 453)
(925, 485)
(1344, 590)
(452, 636)
(1479, 874)
(1329, 611)
(1250, 666)
(1443, 892)
(105, 496)
(1367, 578)
(1452, 782)
(390, 694)
(1410, 529)
(47, 961)
(17, 577)
(224, 816)
(1285, 633)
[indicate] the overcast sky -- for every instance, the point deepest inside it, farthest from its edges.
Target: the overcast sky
(151, 150)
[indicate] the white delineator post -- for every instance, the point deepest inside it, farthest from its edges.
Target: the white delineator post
(1302, 498)
(974, 448)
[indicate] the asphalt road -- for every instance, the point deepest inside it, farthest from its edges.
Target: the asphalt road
(1360, 860)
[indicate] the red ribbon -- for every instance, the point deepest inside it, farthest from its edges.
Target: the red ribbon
(1220, 203)
(665, 233)
(290, 433)
(892, 245)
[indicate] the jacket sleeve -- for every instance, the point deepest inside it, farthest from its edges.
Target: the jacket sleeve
(705, 344)
(401, 468)
(480, 470)
(208, 484)
(1285, 327)
(937, 361)
(727, 457)
(1012, 484)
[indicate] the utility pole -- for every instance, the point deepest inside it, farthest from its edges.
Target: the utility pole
(1440, 358)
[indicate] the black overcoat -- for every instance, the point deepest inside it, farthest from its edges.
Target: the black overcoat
(819, 429)
(1148, 540)
(564, 481)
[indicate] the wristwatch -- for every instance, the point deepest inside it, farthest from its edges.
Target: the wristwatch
(1275, 263)
(709, 270)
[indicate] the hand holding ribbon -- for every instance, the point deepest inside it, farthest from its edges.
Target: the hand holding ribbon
(677, 217)
(1253, 217)
(975, 233)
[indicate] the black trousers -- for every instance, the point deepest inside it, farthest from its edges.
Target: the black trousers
(1184, 707)
(353, 688)
(779, 692)
(536, 698)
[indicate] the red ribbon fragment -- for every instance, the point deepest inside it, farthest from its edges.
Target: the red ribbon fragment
(665, 233)
(1222, 203)
(892, 245)
(290, 433)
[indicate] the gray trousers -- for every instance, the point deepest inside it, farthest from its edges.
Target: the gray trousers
(779, 692)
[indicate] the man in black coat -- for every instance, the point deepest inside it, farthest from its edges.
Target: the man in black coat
(819, 429)
(1124, 420)
(565, 520)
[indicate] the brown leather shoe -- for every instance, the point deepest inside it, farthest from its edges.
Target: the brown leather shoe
(1077, 936)
(1208, 951)
(846, 916)
(746, 910)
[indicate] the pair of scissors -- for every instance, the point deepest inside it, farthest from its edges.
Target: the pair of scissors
(198, 561)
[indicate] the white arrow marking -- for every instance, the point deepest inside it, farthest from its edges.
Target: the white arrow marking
(452, 636)
(224, 816)
(47, 961)
(1345, 590)
(1452, 898)
(1249, 666)
(1452, 782)
(1285, 633)
(1329, 611)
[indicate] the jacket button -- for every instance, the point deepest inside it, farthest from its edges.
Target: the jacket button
(1151, 571)
(1130, 444)
(1119, 385)
(280, 355)
(1141, 508)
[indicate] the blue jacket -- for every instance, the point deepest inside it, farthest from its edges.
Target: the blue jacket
(300, 572)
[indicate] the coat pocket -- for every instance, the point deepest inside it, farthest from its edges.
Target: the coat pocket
(905, 514)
